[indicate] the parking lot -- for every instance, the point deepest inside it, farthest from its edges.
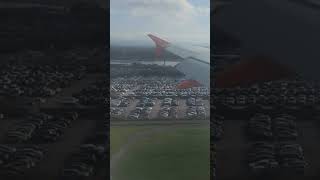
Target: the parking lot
(54, 149)
(260, 135)
(155, 97)
(135, 111)
(232, 150)
(60, 131)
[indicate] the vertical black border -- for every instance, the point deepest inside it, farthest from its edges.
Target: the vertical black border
(211, 84)
(107, 69)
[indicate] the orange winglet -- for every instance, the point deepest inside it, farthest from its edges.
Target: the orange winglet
(160, 44)
(188, 84)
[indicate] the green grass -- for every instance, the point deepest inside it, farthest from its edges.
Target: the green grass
(181, 153)
(119, 136)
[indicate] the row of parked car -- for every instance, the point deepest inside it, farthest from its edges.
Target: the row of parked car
(196, 112)
(246, 101)
(167, 111)
(54, 128)
(285, 127)
(146, 102)
(24, 130)
(116, 112)
(14, 161)
(168, 108)
(216, 127)
(266, 157)
(143, 70)
(274, 150)
(41, 127)
(166, 87)
(285, 86)
(122, 102)
(263, 127)
(83, 162)
(259, 127)
(192, 101)
(213, 161)
(140, 113)
(94, 95)
(292, 94)
(38, 80)
(90, 157)
(195, 92)
(170, 102)
(216, 134)
(123, 85)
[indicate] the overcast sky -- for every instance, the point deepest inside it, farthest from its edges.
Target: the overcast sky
(175, 20)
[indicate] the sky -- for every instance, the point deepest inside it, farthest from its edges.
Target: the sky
(182, 21)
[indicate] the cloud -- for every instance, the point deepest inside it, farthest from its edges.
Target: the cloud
(205, 11)
(178, 19)
(160, 9)
(153, 8)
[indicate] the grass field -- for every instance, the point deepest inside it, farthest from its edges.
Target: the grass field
(169, 153)
(120, 135)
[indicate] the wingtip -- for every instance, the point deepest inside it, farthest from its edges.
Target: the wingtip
(152, 36)
(158, 41)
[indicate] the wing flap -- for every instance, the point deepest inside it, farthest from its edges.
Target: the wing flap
(195, 70)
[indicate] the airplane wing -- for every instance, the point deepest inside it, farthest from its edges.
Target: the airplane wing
(285, 31)
(196, 64)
